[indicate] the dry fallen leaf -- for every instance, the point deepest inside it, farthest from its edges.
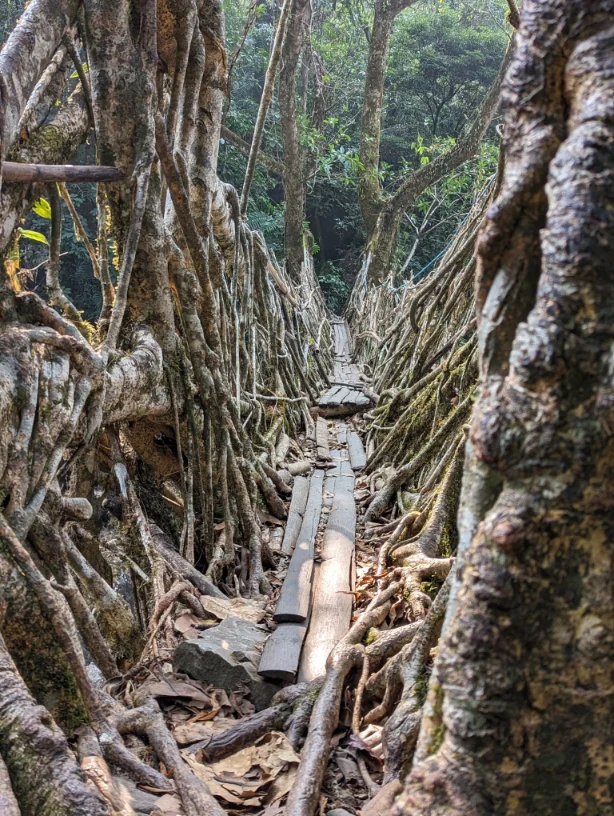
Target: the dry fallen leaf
(348, 767)
(241, 705)
(281, 786)
(206, 774)
(171, 687)
(243, 777)
(170, 805)
(187, 733)
(185, 621)
(233, 608)
(274, 809)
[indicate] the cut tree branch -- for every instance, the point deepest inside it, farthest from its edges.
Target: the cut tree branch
(28, 173)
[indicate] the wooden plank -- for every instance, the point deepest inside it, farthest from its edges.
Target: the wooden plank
(345, 469)
(342, 432)
(352, 396)
(322, 438)
(336, 337)
(295, 595)
(356, 386)
(348, 334)
(339, 397)
(358, 457)
(298, 503)
(282, 652)
(330, 394)
(341, 340)
(347, 348)
(332, 603)
(356, 398)
(329, 493)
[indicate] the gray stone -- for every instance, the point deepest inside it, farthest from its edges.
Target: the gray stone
(227, 656)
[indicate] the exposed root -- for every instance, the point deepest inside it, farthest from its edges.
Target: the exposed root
(304, 796)
(401, 731)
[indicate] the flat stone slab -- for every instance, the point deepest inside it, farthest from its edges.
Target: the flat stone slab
(227, 656)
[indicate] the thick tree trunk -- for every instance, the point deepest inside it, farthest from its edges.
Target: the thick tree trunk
(520, 707)
(382, 215)
(26, 55)
(42, 770)
(369, 187)
(195, 331)
(294, 192)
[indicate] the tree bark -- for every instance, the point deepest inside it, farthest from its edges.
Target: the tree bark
(43, 773)
(25, 56)
(294, 193)
(370, 197)
(381, 214)
(265, 101)
(519, 712)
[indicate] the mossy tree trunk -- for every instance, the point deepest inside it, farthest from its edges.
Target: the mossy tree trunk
(192, 348)
(520, 708)
(294, 191)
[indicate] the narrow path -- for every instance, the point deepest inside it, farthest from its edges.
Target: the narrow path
(345, 396)
(315, 604)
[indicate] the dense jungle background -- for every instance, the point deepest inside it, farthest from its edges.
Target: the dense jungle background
(443, 58)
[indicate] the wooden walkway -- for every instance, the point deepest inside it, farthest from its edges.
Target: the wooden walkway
(346, 395)
(315, 604)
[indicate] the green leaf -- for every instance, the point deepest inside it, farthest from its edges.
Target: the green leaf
(75, 74)
(33, 236)
(42, 208)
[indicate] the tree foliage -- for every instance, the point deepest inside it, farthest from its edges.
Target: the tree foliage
(443, 57)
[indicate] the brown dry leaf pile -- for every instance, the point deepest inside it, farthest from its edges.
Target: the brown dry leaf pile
(255, 776)
(249, 610)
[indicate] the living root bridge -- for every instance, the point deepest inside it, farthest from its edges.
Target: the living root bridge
(143, 456)
(139, 452)
(424, 371)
